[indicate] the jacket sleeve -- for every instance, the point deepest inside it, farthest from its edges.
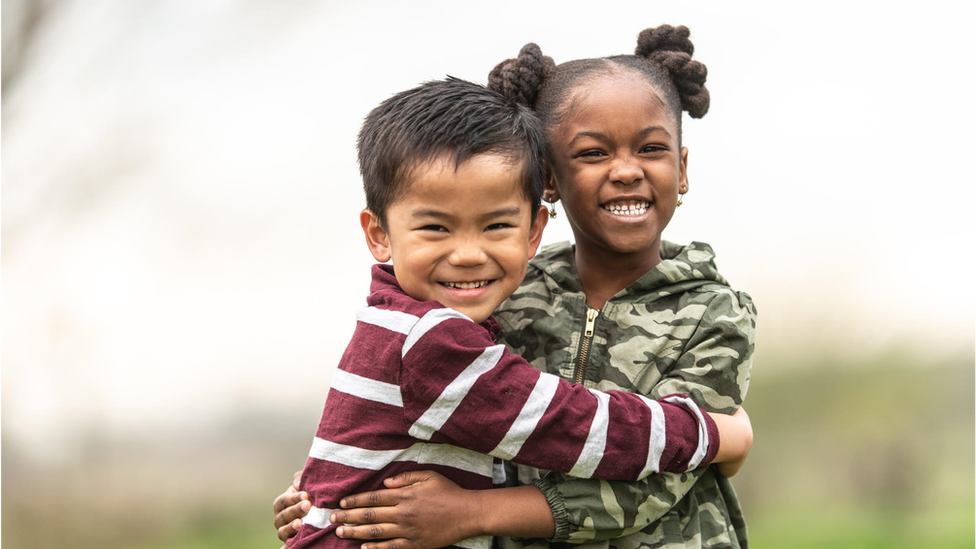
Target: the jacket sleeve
(459, 388)
(713, 368)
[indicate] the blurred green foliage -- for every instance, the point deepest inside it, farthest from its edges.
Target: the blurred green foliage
(871, 454)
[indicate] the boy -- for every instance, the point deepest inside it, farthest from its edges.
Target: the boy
(453, 176)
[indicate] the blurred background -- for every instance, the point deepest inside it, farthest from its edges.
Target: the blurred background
(181, 257)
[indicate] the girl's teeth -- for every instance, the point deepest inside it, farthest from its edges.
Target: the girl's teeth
(466, 285)
(628, 208)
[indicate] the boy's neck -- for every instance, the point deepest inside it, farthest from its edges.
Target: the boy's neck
(603, 273)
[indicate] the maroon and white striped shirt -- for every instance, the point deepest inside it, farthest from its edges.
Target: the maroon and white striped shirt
(422, 387)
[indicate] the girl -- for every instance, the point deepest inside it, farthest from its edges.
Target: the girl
(621, 309)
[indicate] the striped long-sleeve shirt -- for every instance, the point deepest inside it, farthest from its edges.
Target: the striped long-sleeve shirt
(420, 386)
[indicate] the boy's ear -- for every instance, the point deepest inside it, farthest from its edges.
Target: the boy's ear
(376, 238)
(683, 180)
(535, 232)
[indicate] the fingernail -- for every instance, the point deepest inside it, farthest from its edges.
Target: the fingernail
(339, 531)
(332, 518)
(342, 503)
(306, 505)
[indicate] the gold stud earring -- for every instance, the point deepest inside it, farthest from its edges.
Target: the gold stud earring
(680, 197)
(552, 209)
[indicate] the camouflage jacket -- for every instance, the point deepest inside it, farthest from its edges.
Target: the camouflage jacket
(678, 329)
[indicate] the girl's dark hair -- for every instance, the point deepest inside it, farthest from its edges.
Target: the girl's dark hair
(446, 117)
(662, 56)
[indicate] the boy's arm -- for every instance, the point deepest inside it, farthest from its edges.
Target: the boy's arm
(457, 387)
(714, 367)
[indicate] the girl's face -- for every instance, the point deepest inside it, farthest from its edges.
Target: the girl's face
(617, 166)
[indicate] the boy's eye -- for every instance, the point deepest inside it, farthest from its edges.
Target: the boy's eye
(497, 226)
(652, 148)
(438, 228)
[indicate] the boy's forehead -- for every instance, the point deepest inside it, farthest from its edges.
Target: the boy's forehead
(494, 179)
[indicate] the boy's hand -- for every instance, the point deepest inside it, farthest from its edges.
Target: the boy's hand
(741, 443)
(289, 508)
(418, 510)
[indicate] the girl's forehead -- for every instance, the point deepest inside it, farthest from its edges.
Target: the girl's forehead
(616, 98)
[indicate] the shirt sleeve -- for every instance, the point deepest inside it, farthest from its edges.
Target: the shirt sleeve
(460, 388)
(714, 369)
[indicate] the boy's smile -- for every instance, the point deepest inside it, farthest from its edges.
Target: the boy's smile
(463, 236)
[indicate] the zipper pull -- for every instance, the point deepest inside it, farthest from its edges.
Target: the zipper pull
(591, 315)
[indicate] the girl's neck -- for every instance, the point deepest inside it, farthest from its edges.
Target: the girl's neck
(603, 273)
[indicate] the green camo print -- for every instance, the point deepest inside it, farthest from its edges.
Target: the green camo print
(678, 329)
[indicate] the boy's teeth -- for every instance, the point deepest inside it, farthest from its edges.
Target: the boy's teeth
(466, 285)
(627, 208)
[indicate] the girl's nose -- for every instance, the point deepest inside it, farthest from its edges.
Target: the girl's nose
(467, 253)
(626, 170)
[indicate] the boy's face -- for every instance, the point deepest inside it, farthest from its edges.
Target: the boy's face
(462, 236)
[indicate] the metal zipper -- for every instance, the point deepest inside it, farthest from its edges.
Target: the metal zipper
(591, 315)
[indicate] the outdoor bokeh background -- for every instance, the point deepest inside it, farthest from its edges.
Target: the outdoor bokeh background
(181, 257)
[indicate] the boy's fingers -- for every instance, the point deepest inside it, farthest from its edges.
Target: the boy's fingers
(289, 530)
(296, 479)
(291, 514)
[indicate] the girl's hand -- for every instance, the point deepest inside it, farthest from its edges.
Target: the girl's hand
(418, 510)
(289, 508)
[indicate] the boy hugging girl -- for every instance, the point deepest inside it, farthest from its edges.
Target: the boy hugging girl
(454, 175)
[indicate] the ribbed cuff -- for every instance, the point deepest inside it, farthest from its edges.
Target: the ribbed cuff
(550, 489)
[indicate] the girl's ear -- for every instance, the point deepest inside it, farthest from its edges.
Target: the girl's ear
(377, 240)
(535, 232)
(551, 193)
(683, 179)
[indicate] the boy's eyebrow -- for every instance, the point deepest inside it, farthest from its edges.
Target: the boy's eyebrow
(437, 214)
(603, 137)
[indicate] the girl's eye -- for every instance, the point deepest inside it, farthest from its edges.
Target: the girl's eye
(593, 153)
(652, 148)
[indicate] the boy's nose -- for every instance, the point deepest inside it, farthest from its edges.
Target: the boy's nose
(626, 170)
(468, 252)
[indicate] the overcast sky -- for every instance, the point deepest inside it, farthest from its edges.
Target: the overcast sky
(180, 192)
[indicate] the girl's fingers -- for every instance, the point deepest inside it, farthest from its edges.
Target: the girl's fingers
(372, 531)
(365, 516)
(379, 498)
(289, 530)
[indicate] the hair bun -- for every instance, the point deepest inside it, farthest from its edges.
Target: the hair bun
(519, 79)
(670, 48)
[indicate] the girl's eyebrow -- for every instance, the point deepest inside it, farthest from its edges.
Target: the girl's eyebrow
(600, 136)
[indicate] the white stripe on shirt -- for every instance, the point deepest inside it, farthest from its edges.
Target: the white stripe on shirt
(426, 323)
(658, 439)
(441, 410)
(596, 440)
(421, 453)
(365, 388)
(395, 321)
(702, 431)
(480, 542)
(318, 517)
(528, 418)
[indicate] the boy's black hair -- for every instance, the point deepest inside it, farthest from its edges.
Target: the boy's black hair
(662, 57)
(446, 117)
